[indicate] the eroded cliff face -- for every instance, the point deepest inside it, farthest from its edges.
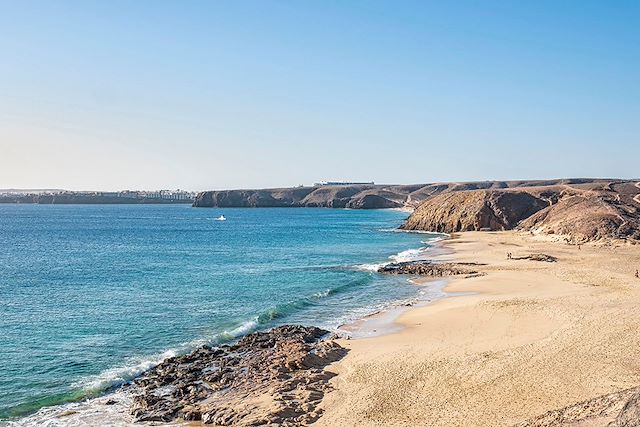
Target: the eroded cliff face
(587, 217)
(474, 210)
(366, 196)
(347, 196)
(583, 212)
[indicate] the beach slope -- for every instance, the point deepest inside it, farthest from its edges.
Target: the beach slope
(525, 338)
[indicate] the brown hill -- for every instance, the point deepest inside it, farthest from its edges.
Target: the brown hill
(588, 215)
(474, 210)
(577, 210)
(362, 196)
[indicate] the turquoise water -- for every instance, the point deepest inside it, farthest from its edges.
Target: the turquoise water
(91, 296)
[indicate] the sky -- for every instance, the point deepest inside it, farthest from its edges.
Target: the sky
(196, 95)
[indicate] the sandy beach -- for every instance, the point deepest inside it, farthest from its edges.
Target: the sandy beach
(527, 337)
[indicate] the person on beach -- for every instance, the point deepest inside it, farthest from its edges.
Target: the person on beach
(637, 275)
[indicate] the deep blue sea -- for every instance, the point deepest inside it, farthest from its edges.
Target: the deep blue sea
(92, 295)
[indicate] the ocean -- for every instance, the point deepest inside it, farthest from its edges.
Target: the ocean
(93, 295)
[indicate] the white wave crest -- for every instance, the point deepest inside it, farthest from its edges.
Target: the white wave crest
(408, 255)
(370, 267)
(241, 330)
(101, 411)
(122, 374)
(134, 367)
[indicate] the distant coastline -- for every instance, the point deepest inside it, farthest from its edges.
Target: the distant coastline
(575, 210)
(366, 195)
(64, 197)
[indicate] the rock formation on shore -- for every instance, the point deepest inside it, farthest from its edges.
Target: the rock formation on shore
(621, 409)
(428, 268)
(266, 378)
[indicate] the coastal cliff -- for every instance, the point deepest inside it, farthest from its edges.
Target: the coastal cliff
(576, 213)
(576, 210)
(474, 210)
(589, 215)
(359, 196)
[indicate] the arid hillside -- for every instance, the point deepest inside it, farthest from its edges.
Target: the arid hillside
(576, 212)
(363, 196)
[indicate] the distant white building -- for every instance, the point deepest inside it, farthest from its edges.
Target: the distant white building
(323, 183)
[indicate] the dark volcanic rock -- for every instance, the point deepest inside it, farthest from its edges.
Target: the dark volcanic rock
(537, 257)
(273, 377)
(428, 268)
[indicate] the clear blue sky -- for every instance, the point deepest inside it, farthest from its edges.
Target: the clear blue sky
(216, 94)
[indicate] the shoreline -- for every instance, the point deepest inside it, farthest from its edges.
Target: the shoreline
(101, 406)
(530, 338)
(514, 345)
(384, 321)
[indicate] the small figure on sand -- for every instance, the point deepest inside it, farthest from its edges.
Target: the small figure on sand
(637, 274)
(579, 247)
(508, 255)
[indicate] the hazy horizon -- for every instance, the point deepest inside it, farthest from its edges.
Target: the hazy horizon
(221, 95)
(303, 184)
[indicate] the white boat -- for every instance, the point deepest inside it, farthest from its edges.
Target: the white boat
(221, 218)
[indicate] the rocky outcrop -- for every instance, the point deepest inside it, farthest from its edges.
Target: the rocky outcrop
(620, 409)
(575, 212)
(332, 196)
(428, 268)
(286, 197)
(275, 378)
(474, 210)
(372, 201)
(629, 416)
(536, 257)
(587, 216)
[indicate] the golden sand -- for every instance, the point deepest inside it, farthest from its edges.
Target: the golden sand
(534, 336)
